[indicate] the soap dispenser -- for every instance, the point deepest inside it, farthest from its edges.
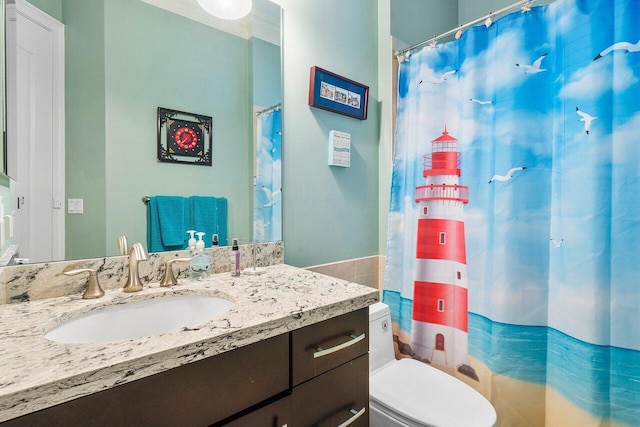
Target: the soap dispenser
(192, 240)
(200, 265)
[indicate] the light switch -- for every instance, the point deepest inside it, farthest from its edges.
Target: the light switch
(75, 206)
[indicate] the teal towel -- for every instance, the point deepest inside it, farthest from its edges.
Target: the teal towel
(210, 217)
(168, 218)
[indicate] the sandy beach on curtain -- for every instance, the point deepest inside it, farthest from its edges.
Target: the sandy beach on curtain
(525, 404)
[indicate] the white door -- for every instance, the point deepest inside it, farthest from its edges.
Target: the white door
(39, 175)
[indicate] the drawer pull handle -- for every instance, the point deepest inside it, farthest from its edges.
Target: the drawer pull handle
(356, 415)
(320, 352)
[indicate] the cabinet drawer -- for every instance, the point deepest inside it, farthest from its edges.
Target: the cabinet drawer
(323, 346)
(335, 397)
(276, 414)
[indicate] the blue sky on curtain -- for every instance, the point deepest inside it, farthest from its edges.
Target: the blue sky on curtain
(267, 209)
(544, 107)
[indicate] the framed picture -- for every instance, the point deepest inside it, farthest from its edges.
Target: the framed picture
(184, 137)
(332, 92)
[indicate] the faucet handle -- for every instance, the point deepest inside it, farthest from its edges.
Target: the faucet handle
(169, 278)
(93, 289)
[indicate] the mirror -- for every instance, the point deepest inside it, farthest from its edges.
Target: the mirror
(123, 59)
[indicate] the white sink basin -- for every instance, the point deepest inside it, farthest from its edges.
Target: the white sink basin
(139, 319)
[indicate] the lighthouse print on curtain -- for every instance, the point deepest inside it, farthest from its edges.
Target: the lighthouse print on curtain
(440, 287)
(512, 254)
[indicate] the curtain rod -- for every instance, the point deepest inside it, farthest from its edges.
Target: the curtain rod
(462, 27)
(266, 110)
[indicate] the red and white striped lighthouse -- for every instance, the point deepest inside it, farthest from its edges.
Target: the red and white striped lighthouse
(440, 316)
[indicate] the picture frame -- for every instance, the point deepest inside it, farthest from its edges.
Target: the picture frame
(332, 92)
(184, 137)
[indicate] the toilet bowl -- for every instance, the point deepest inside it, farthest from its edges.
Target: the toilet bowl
(409, 393)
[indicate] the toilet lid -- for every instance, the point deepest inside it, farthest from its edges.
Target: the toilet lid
(428, 396)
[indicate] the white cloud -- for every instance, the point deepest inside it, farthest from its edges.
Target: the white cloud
(626, 142)
(496, 66)
(592, 81)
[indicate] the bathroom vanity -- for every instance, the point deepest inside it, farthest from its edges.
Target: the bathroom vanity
(291, 351)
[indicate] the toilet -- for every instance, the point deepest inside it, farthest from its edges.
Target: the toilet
(409, 393)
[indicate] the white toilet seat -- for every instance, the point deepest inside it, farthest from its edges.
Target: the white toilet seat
(421, 395)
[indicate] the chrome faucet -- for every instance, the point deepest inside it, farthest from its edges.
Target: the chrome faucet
(137, 254)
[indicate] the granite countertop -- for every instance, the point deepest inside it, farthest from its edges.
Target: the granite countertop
(36, 373)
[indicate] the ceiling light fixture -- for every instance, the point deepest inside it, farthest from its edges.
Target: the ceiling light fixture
(227, 9)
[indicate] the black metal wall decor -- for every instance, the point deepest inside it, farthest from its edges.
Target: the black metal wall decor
(184, 137)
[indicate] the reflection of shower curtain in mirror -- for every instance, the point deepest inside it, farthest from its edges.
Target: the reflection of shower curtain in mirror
(267, 210)
(512, 257)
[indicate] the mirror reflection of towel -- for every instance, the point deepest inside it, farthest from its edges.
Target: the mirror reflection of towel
(210, 217)
(169, 218)
(166, 225)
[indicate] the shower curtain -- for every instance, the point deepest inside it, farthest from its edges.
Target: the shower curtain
(512, 255)
(267, 209)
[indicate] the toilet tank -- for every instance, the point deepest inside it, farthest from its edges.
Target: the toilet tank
(380, 336)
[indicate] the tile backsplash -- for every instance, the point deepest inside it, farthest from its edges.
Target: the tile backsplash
(31, 282)
(364, 271)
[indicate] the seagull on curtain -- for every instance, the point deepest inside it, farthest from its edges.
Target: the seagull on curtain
(438, 80)
(586, 118)
(626, 46)
(508, 176)
(535, 67)
(556, 243)
(270, 195)
(477, 101)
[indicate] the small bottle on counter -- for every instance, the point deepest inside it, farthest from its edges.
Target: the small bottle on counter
(235, 259)
(214, 240)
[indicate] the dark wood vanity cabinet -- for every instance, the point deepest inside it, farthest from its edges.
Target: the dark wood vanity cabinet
(313, 376)
(330, 371)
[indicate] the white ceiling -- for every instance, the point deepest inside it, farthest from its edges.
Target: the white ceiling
(263, 22)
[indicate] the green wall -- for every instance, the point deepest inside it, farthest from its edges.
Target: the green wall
(53, 8)
(266, 73)
(414, 21)
(468, 10)
(330, 213)
(85, 142)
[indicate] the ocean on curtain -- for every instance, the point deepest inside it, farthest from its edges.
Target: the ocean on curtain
(512, 256)
(267, 209)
